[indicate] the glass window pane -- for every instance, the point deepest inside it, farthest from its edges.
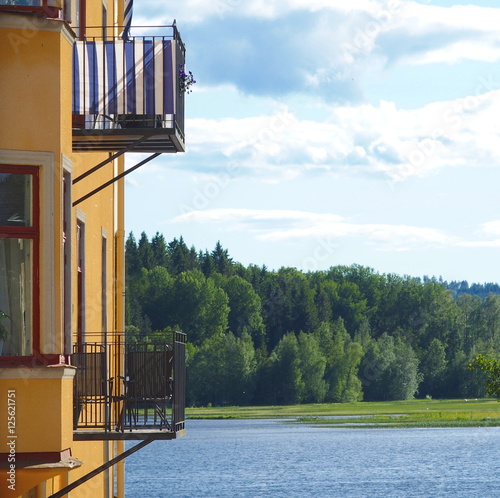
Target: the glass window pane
(22, 3)
(16, 297)
(16, 200)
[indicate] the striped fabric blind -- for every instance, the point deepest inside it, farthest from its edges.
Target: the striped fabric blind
(124, 77)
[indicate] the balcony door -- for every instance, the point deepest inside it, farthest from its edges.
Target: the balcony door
(80, 18)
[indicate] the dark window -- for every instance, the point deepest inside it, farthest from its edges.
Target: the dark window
(19, 249)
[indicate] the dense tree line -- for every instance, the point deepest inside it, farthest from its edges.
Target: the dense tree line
(280, 337)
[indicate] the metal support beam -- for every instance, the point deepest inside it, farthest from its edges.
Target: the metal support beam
(109, 159)
(100, 469)
(116, 178)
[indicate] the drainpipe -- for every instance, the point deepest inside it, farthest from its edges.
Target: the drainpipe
(120, 297)
(120, 472)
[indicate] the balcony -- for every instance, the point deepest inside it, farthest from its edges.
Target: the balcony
(126, 390)
(126, 94)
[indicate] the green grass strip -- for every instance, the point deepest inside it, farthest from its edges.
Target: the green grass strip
(413, 413)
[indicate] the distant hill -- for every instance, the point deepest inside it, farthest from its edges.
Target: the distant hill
(459, 288)
(480, 290)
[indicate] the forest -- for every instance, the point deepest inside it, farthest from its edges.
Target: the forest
(346, 334)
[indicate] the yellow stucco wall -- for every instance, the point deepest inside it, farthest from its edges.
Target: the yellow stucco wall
(35, 99)
(99, 221)
(43, 407)
(93, 454)
(31, 108)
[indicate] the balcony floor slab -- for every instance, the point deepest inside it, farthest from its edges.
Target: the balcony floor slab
(163, 140)
(91, 435)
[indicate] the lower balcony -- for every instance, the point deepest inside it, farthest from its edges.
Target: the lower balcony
(129, 390)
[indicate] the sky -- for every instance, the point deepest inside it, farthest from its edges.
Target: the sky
(325, 132)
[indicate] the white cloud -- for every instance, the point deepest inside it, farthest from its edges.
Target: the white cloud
(396, 144)
(481, 244)
(320, 48)
(197, 11)
(334, 35)
(491, 228)
(253, 215)
(286, 225)
(477, 26)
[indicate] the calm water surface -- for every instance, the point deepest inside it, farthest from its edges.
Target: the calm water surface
(257, 458)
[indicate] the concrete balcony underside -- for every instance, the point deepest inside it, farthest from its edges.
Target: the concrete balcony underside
(94, 435)
(164, 140)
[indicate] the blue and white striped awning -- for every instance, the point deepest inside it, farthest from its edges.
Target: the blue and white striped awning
(125, 77)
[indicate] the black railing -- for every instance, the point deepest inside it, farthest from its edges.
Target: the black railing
(124, 389)
(179, 401)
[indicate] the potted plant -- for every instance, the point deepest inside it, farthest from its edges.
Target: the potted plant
(186, 80)
(3, 329)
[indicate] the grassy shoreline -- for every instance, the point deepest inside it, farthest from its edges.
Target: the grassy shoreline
(413, 413)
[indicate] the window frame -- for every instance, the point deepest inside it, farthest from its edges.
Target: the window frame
(32, 233)
(43, 9)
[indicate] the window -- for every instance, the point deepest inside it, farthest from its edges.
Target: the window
(45, 8)
(104, 282)
(67, 281)
(80, 18)
(19, 232)
(22, 3)
(80, 279)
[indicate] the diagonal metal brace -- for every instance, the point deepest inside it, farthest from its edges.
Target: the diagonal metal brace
(64, 491)
(116, 178)
(109, 159)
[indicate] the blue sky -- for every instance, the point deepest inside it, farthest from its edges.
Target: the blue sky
(325, 132)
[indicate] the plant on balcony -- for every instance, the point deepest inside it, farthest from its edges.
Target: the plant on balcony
(3, 329)
(186, 79)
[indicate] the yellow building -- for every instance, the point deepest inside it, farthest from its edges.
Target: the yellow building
(76, 93)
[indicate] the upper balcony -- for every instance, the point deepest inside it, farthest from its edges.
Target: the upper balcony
(127, 95)
(127, 390)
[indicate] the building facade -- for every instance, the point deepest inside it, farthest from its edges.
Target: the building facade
(77, 92)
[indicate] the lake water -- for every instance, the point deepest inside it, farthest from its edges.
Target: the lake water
(261, 458)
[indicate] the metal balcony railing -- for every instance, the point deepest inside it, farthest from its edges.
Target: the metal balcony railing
(128, 94)
(129, 391)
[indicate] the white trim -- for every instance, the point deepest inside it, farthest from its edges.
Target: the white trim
(67, 252)
(46, 162)
(67, 164)
(81, 218)
(104, 280)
